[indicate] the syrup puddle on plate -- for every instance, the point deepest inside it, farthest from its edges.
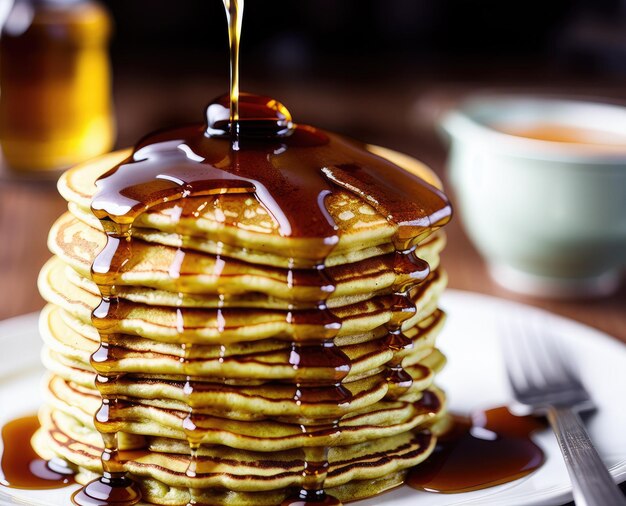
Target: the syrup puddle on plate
(488, 448)
(21, 467)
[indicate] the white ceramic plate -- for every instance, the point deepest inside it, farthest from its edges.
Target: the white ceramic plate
(473, 379)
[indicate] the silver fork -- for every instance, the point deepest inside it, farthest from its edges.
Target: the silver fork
(543, 379)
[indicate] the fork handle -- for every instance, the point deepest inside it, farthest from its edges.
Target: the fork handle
(591, 481)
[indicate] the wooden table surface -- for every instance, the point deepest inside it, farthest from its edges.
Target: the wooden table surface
(27, 208)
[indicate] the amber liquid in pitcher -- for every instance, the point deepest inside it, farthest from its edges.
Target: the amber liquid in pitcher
(55, 105)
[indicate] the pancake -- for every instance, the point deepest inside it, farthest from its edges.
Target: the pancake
(197, 348)
(78, 244)
(242, 222)
(261, 359)
(163, 323)
(251, 477)
(369, 415)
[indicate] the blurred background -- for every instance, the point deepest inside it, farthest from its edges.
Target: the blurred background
(362, 66)
(377, 70)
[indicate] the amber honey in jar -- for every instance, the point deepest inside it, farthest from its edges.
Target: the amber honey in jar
(55, 103)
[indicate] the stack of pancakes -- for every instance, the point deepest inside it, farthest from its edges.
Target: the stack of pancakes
(214, 402)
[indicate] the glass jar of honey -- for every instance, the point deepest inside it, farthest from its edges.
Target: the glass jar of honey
(55, 90)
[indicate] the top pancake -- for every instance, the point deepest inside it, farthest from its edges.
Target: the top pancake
(221, 224)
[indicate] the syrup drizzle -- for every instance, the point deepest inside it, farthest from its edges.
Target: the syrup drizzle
(250, 145)
(234, 17)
